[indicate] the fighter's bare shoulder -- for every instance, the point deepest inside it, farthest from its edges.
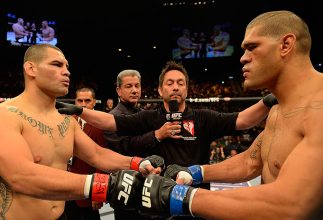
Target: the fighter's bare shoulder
(6, 110)
(312, 113)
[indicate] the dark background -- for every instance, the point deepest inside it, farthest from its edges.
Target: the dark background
(91, 32)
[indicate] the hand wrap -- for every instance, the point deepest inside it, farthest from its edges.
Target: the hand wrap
(190, 174)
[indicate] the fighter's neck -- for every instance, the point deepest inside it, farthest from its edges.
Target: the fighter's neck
(38, 102)
(290, 89)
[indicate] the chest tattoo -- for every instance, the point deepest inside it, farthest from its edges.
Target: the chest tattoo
(42, 128)
(6, 198)
(298, 110)
(64, 126)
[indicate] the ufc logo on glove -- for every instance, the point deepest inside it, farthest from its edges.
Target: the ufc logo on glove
(127, 183)
(146, 195)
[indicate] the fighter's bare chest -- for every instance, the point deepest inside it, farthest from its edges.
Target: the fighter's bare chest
(281, 136)
(50, 140)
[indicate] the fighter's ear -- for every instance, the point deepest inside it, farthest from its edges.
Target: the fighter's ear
(30, 68)
(287, 44)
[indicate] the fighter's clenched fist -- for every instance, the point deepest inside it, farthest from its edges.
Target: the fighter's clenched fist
(122, 189)
(162, 197)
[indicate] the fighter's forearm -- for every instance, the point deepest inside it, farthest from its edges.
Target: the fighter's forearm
(99, 119)
(258, 202)
(47, 183)
(115, 162)
(233, 170)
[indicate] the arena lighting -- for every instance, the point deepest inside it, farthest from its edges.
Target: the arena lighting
(205, 69)
(230, 77)
(320, 64)
(128, 56)
(154, 47)
(120, 49)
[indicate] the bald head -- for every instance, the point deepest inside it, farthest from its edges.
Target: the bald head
(277, 24)
(36, 53)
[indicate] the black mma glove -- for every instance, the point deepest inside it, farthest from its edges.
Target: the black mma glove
(122, 189)
(192, 175)
(69, 109)
(162, 197)
(270, 100)
(154, 160)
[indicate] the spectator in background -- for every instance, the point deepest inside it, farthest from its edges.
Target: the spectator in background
(217, 155)
(150, 106)
(85, 209)
(220, 142)
(234, 145)
(109, 105)
(233, 153)
(246, 139)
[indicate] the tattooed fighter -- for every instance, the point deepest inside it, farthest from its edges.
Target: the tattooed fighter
(36, 143)
(288, 153)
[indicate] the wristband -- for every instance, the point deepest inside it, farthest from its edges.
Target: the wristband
(176, 199)
(197, 173)
(134, 163)
(99, 187)
(191, 200)
(87, 186)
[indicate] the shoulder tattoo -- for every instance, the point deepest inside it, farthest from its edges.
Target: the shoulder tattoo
(6, 198)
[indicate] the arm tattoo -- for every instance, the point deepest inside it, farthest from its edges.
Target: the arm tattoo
(42, 128)
(6, 198)
(257, 143)
(253, 155)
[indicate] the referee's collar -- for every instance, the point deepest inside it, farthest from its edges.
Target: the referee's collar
(187, 111)
(130, 108)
